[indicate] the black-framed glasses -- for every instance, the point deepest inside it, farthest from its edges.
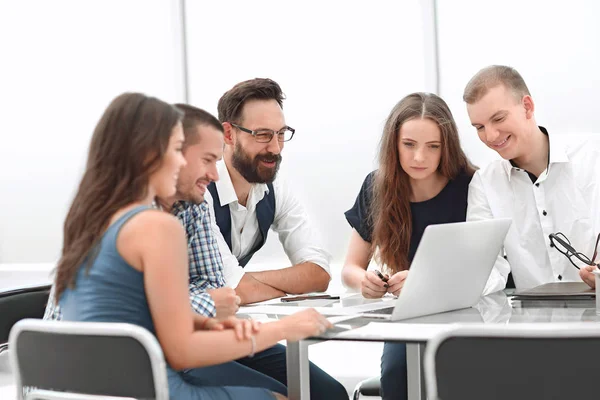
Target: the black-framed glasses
(266, 135)
(562, 243)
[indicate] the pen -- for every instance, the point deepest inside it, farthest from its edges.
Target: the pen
(381, 276)
(317, 297)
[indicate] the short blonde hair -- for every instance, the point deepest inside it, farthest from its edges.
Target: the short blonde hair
(492, 76)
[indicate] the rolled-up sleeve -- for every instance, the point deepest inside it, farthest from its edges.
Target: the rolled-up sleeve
(202, 302)
(52, 311)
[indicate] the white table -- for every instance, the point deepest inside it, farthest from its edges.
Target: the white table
(493, 309)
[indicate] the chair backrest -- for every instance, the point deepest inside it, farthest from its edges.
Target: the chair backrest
(15, 305)
(90, 358)
(521, 361)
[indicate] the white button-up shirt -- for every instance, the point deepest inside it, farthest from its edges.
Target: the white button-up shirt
(565, 198)
(300, 240)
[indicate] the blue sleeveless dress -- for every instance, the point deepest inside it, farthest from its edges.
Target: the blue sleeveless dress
(113, 291)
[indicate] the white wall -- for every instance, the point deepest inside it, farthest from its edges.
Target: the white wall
(554, 45)
(343, 65)
(62, 63)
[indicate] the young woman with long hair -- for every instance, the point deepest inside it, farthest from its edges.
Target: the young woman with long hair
(422, 179)
(124, 261)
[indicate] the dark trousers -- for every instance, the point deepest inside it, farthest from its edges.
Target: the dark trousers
(268, 370)
(393, 371)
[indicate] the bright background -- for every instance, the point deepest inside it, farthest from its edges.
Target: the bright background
(342, 64)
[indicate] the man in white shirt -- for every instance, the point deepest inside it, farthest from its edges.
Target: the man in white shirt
(547, 183)
(267, 368)
(247, 201)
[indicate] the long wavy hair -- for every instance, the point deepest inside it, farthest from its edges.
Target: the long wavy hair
(127, 146)
(390, 212)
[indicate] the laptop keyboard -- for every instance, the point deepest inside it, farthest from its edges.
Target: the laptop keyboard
(388, 310)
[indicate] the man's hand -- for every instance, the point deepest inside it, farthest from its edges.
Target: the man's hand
(226, 301)
(372, 287)
(252, 290)
(396, 282)
(587, 275)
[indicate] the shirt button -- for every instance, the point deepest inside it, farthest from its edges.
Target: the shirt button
(560, 277)
(537, 185)
(544, 213)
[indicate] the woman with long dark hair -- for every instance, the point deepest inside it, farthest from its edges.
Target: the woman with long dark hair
(422, 179)
(124, 261)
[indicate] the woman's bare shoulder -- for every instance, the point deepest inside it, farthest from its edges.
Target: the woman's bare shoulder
(153, 223)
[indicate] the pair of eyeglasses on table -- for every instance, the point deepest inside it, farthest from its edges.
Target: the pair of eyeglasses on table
(561, 243)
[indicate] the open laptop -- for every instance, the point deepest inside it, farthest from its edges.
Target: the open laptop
(449, 271)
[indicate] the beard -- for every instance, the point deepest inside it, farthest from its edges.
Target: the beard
(251, 168)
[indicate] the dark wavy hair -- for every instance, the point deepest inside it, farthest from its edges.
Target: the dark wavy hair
(231, 104)
(127, 146)
(390, 212)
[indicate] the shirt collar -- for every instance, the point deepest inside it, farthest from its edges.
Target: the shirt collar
(180, 207)
(226, 190)
(556, 154)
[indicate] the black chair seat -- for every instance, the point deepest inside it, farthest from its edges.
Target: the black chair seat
(15, 305)
(514, 361)
(87, 359)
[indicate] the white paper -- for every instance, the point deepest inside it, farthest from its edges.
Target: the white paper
(340, 319)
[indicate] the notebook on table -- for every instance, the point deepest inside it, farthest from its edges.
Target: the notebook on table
(557, 291)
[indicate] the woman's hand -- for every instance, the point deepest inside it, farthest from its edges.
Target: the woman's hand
(396, 282)
(304, 324)
(372, 287)
(244, 328)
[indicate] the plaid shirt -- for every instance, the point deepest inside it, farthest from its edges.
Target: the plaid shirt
(52, 310)
(206, 266)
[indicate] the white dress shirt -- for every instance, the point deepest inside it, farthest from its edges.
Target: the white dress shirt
(565, 198)
(300, 240)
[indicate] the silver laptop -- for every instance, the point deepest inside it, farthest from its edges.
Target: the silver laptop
(449, 271)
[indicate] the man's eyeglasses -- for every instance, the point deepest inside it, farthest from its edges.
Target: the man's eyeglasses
(561, 243)
(266, 135)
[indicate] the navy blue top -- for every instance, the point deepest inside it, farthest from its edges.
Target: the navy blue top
(112, 290)
(450, 205)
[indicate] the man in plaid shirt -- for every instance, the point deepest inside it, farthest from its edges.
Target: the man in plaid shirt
(208, 294)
